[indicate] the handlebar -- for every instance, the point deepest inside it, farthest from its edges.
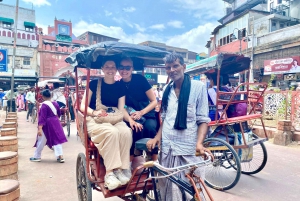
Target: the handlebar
(179, 168)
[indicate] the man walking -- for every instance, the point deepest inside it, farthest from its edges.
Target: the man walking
(184, 126)
(30, 98)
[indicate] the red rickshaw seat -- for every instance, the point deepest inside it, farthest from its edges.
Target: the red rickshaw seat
(235, 119)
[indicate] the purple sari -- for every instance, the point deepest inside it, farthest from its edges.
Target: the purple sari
(52, 128)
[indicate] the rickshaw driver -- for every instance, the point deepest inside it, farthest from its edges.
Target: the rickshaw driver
(185, 123)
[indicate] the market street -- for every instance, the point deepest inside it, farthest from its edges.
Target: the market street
(48, 180)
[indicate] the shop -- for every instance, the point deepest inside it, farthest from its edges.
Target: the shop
(282, 73)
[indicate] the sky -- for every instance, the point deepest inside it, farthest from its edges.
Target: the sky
(180, 23)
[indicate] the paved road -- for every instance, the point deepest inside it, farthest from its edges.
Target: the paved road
(49, 180)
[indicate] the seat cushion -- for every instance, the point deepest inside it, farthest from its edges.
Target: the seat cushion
(141, 145)
(8, 186)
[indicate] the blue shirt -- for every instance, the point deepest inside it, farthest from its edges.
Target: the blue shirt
(183, 142)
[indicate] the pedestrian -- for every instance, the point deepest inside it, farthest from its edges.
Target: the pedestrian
(70, 104)
(2, 94)
(50, 131)
(30, 97)
(184, 127)
(58, 96)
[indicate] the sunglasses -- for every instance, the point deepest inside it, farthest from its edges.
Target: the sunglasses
(124, 68)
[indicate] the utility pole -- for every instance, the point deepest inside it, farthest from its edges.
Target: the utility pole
(14, 55)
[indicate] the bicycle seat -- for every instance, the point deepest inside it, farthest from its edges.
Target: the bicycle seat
(141, 145)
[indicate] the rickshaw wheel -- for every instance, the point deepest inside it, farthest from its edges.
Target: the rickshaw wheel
(68, 125)
(84, 187)
(33, 115)
(225, 171)
(258, 161)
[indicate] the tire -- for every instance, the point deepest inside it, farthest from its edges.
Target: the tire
(33, 115)
(84, 187)
(225, 171)
(258, 161)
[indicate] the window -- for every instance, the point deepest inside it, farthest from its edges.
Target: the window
(221, 42)
(26, 61)
(279, 1)
(281, 25)
(273, 24)
(6, 25)
(228, 39)
(29, 29)
(271, 5)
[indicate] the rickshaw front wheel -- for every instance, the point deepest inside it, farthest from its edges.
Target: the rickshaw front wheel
(84, 187)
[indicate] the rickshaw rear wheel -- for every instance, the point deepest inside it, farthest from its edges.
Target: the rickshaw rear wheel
(258, 161)
(225, 171)
(84, 186)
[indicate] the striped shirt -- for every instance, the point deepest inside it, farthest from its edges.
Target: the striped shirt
(183, 142)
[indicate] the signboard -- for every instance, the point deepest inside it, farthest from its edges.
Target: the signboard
(3, 60)
(151, 78)
(282, 66)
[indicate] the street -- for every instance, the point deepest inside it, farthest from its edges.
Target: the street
(48, 180)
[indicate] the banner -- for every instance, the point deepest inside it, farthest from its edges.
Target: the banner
(282, 66)
(3, 60)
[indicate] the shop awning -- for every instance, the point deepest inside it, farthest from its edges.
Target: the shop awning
(7, 20)
(29, 24)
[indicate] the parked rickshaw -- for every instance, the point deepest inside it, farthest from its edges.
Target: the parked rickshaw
(90, 170)
(65, 115)
(250, 154)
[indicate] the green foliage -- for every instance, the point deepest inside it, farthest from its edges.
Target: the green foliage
(271, 80)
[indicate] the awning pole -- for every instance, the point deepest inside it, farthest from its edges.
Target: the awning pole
(14, 56)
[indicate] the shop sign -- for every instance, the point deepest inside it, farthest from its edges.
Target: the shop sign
(151, 78)
(282, 66)
(3, 60)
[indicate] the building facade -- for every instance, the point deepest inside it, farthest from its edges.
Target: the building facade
(92, 38)
(27, 37)
(54, 46)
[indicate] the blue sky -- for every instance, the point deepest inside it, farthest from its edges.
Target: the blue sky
(180, 23)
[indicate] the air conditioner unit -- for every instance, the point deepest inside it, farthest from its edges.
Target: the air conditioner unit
(56, 45)
(290, 77)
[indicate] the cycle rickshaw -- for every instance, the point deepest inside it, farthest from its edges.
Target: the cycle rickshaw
(65, 118)
(90, 169)
(249, 155)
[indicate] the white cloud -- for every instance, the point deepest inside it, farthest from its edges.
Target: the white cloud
(38, 3)
(139, 28)
(194, 39)
(129, 9)
(175, 24)
(122, 21)
(202, 9)
(44, 27)
(158, 27)
(112, 31)
(107, 13)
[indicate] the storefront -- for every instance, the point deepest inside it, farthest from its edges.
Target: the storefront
(283, 73)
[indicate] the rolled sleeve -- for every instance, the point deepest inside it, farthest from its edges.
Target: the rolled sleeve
(202, 106)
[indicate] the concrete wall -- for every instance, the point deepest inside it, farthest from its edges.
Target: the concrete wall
(295, 9)
(8, 11)
(279, 35)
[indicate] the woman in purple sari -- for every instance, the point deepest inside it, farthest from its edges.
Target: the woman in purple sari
(50, 131)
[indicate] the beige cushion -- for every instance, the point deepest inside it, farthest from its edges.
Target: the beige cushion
(8, 186)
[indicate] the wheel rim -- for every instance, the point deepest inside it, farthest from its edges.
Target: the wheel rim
(82, 185)
(258, 161)
(224, 172)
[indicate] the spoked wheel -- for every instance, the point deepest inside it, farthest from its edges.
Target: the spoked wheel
(33, 115)
(225, 171)
(258, 161)
(84, 188)
(68, 124)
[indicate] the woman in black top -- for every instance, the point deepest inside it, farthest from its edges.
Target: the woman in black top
(112, 141)
(139, 95)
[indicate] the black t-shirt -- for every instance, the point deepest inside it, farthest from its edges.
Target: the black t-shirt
(136, 90)
(110, 93)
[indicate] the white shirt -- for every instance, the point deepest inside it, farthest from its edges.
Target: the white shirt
(58, 96)
(30, 96)
(183, 142)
